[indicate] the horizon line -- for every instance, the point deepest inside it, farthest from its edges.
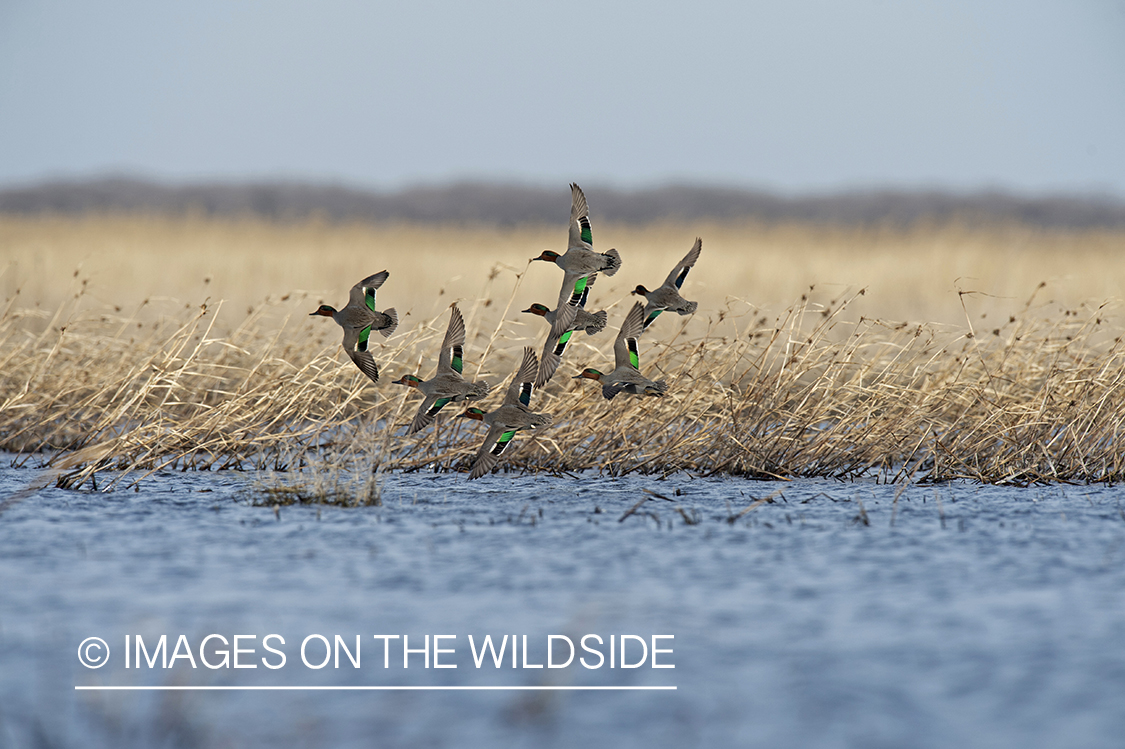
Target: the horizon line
(864, 187)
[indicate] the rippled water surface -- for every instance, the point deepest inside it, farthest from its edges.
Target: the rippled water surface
(982, 616)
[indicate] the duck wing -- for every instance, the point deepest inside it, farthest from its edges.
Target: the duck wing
(580, 234)
(576, 295)
(553, 350)
(363, 293)
(453, 344)
(520, 389)
(625, 347)
(426, 412)
(679, 273)
(586, 289)
(565, 314)
(495, 442)
(355, 343)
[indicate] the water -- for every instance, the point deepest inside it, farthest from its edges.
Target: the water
(994, 619)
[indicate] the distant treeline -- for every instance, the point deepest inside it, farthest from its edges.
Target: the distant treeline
(507, 204)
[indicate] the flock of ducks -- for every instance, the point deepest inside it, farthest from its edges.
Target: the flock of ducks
(581, 265)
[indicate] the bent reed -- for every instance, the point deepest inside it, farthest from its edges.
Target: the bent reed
(820, 388)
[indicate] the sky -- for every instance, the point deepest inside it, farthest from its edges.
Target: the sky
(799, 96)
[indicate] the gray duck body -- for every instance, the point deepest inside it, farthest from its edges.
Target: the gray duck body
(359, 319)
(447, 385)
(666, 297)
(512, 416)
(626, 376)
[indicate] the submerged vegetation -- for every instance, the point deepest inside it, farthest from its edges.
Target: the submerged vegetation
(819, 387)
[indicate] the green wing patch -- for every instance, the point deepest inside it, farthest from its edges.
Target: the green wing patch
(502, 443)
(577, 296)
(560, 347)
(440, 404)
(634, 358)
(525, 393)
(655, 314)
(361, 344)
(456, 362)
(587, 235)
(369, 297)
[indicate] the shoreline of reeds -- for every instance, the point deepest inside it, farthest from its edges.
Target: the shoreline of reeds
(810, 391)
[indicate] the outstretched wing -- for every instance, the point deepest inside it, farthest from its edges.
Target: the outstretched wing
(574, 297)
(355, 343)
(679, 273)
(586, 289)
(565, 313)
(552, 357)
(561, 328)
(625, 347)
(520, 389)
(495, 443)
(580, 234)
(427, 411)
(364, 291)
(451, 347)
(611, 389)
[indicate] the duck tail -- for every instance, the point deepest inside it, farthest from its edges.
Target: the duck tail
(660, 387)
(690, 308)
(600, 319)
(390, 329)
(613, 262)
(479, 390)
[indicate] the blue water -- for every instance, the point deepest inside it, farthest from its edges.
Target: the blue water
(993, 618)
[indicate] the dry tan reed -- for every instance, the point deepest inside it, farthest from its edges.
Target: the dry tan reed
(912, 274)
(820, 388)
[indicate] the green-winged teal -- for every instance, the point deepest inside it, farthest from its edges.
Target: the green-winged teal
(513, 415)
(359, 319)
(447, 385)
(627, 377)
(667, 297)
(591, 322)
(580, 260)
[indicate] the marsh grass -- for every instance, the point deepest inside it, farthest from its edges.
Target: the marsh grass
(912, 274)
(1022, 392)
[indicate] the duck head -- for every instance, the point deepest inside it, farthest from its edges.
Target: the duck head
(538, 309)
(409, 380)
(549, 255)
(324, 309)
(472, 413)
(640, 290)
(589, 373)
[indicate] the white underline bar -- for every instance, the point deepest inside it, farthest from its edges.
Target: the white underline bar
(373, 689)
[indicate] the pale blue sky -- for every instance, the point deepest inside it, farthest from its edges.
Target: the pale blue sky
(795, 96)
